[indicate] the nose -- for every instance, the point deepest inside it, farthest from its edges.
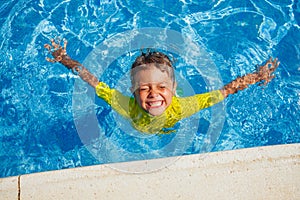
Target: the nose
(153, 92)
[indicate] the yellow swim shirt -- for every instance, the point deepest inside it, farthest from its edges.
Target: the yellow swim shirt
(180, 108)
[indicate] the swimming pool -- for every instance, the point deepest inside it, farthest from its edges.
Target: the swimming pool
(51, 120)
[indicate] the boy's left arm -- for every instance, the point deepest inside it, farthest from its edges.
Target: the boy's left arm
(265, 73)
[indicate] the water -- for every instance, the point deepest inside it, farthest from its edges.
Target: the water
(44, 109)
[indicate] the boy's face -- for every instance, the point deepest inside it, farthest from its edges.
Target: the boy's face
(154, 89)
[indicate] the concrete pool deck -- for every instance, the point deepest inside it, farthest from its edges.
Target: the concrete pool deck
(271, 172)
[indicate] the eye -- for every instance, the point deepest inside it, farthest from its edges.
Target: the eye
(144, 88)
(162, 86)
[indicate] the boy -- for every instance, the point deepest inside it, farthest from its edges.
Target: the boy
(154, 106)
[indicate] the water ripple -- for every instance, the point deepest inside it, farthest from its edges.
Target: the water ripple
(36, 97)
(215, 15)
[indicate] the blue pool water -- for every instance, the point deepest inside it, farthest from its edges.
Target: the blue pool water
(49, 119)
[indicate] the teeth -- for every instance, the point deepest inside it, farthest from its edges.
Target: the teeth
(156, 103)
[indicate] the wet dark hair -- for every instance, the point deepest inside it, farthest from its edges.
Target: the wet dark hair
(152, 57)
(159, 59)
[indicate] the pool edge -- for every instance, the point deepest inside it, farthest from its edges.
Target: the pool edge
(270, 172)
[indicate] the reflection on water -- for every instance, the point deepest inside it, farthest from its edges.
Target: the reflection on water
(37, 130)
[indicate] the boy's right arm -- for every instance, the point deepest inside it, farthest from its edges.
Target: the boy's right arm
(113, 97)
(60, 55)
(88, 77)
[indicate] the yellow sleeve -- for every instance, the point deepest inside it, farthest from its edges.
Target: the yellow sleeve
(114, 98)
(191, 105)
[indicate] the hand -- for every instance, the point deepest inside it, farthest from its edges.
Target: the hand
(265, 72)
(58, 51)
(59, 54)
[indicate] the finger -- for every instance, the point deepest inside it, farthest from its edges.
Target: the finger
(50, 60)
(270, 59)
(53, 42)
(65, 44)
(277, 62)
(275, 65)
(47, 46)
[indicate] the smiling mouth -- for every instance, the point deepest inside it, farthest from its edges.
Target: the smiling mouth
(154, 104)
